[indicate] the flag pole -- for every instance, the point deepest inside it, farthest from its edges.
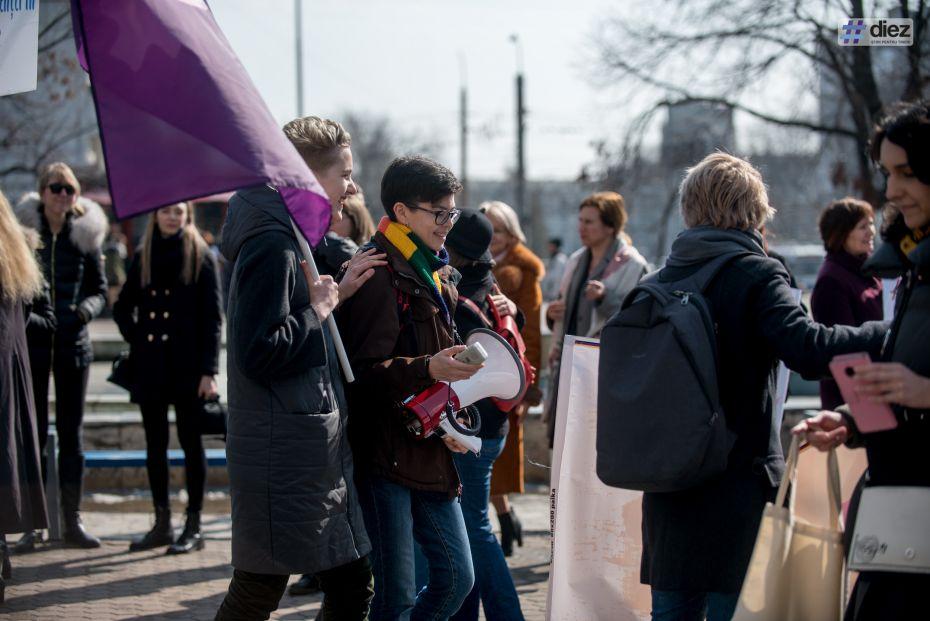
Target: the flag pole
(331, 320)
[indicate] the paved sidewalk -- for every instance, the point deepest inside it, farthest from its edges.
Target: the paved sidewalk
(110, 584)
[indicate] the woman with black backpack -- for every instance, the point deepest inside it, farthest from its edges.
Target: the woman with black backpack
(169, 313)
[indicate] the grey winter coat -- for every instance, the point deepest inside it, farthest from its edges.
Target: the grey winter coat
(294, 506)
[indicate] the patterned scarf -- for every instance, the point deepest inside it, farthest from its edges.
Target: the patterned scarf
(912, 238)
(424, 261)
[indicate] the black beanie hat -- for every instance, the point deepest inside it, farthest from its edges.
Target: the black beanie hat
(471, 236)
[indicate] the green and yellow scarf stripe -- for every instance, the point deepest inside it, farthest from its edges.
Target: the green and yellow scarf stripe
(421, 257)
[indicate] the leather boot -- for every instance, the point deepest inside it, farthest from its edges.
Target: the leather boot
(191, 538)
(161, 534)
(27, 543)
(511, 529)
(75, 535)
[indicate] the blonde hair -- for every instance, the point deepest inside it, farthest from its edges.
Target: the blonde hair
(724, 192)
(317, 140)
(194, 248)
(363, 227)
(20, 276)
(60, 170)
(507, 216)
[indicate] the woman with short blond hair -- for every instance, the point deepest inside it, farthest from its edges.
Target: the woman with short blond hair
(697, 542)
(22, 494)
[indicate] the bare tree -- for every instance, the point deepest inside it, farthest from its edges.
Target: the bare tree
(40, 125)
(725, 52)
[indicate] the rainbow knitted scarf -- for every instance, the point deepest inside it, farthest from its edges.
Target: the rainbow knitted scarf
(422, 259)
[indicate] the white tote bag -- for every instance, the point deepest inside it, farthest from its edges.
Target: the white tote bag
(797, 568)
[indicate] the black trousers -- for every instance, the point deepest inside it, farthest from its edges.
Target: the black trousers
(70, 392)
(347, 593)
(155, 420)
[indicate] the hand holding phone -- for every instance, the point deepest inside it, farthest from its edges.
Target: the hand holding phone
(869, 415)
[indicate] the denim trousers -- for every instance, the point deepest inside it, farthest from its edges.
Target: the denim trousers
(395, 518)
(693, 605)
(493, 583)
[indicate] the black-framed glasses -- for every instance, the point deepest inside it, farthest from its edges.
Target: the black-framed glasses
(441, 216)
(56, 188)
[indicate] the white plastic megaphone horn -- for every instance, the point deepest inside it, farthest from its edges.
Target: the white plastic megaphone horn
(502, 376)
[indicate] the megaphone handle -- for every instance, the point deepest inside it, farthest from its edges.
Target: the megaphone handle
(472, 443)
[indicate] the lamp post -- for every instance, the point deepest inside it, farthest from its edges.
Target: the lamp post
(299, 44)
(521, 131)
(463, 128)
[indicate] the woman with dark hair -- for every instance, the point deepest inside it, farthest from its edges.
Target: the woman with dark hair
(597, 278)
(844, 295)
(71, 229)
(897, 458)
(169, 313)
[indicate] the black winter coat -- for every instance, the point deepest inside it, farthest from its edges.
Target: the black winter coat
(22, 495)
(702, 538)
(294, 506)
(899, 456)
(72, 262)
(173, 329)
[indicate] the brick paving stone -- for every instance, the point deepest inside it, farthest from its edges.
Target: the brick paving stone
(110, 584)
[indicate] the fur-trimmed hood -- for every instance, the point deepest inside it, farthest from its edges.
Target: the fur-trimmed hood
(87, 230)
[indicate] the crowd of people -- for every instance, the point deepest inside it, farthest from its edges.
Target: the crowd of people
(326, 480)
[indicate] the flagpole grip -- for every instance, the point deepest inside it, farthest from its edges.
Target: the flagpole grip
(331, 320)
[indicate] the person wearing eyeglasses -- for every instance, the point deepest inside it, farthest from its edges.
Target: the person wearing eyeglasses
(400, 337)
(71, 229)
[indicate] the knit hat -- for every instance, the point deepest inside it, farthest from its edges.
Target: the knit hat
(471, 236)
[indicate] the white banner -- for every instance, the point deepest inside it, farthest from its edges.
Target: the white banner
(19, 45)
(596, 540)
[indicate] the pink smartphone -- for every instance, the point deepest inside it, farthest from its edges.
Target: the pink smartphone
(869, 416)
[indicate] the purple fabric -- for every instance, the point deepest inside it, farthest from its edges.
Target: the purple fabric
(179, 116)
(843, 296)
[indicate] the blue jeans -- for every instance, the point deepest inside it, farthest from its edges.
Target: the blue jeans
(693, 605)
(395, 517)
(493, 584)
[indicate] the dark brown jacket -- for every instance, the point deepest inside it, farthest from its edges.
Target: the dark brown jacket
(389, 349)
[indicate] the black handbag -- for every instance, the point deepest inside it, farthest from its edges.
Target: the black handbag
(213, 417)
(121, 372)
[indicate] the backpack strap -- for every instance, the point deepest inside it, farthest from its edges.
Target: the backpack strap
(473, 307)
(701, 279)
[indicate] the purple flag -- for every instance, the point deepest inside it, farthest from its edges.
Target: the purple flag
(179, 116)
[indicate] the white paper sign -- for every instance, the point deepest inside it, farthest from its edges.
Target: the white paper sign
(596, 542)
(19, 45)
(781, 386)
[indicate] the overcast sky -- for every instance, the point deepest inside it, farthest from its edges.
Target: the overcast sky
(401, 58)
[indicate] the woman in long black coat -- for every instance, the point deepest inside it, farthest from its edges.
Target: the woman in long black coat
(22, 495)
(169, 313)
(71, 229)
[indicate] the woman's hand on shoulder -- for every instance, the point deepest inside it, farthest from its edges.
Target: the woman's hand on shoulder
(359, 269)
(893, 382)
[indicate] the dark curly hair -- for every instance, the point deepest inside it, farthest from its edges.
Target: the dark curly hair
(906, 124)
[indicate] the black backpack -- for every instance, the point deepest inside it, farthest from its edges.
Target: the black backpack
(660, 426)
